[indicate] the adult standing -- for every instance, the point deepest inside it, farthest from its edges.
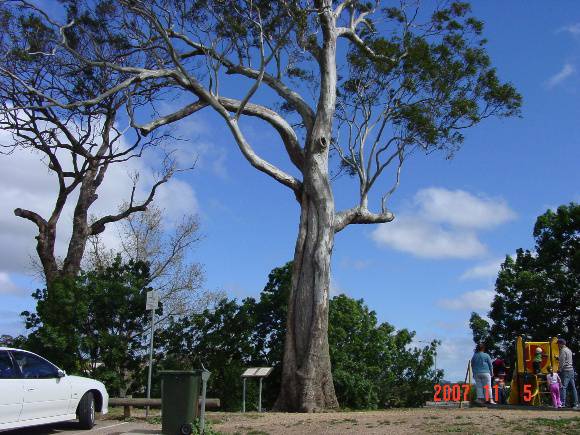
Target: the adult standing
(482, 372)
(566, 373)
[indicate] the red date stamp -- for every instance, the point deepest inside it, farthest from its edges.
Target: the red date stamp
(528, 393)
(451, 393)
(460, 392)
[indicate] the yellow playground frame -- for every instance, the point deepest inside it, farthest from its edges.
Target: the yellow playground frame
(527, 387)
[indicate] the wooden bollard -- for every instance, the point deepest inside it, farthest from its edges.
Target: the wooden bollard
(127, 408)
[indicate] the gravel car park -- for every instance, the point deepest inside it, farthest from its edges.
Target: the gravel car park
(33, 391)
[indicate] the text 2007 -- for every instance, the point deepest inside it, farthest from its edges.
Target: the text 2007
(451, 393)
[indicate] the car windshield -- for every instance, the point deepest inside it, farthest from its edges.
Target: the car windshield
(34, 367)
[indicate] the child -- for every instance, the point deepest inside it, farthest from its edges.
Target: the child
(554, 383)
(538, 360)
(501, 393)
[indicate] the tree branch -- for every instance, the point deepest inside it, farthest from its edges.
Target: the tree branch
(291, 96)
(33, 217)
(360, 215)
(352, 36)
(99, 226)
(139, 77)
(258, 162)
(284, 129)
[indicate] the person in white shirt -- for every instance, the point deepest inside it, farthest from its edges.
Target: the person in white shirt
(554, 383)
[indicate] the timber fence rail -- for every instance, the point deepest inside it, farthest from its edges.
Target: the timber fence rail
(129, 402)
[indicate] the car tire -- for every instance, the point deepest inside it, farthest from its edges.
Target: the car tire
(86, 411)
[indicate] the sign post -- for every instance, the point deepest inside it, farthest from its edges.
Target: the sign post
(151, 305)
(255, 372)
(204, 378)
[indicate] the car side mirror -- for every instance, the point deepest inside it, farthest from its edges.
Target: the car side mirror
(61, 373)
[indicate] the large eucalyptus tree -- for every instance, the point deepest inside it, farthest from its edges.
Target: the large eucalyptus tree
(359, 84)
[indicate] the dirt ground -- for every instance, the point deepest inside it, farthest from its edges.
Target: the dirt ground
(401, 421)
(416, 421)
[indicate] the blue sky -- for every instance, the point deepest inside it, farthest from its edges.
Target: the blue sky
(456, 219)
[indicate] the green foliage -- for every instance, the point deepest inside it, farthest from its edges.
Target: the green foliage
(358, 352)
(429, 85)
(373, 364)
(220, 339)
(480, 329)
(9, 341)
(271, 312)
(538, 291)
(409, 371)
(94, 325)
(207, 430)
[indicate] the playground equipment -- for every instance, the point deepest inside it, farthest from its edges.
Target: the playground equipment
(528, 385)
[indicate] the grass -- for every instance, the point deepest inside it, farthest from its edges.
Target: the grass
(560, 426)
(385, 422)
(117, 413)
(154, 420)
(297, 423)
(557, 423)
(564, 426)
(343, 421)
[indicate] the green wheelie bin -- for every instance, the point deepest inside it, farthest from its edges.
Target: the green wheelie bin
(179, 400)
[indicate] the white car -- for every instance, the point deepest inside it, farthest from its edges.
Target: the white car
(34, 391)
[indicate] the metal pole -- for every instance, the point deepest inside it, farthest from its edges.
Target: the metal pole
(150, 361)
(470, 372)
(204, 378)
(244, 397)
(260, 397)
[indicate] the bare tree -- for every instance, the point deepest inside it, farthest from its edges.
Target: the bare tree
(77, 145)
(403, 76)
(177, 279)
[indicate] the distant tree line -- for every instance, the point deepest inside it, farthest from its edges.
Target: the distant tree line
(538, 290)
(374, 365)
(97, 325)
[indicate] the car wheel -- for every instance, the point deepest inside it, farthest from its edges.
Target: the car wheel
(86, 411)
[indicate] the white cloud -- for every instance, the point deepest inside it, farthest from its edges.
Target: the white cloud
(567, 70)
(196, 142)
(573, 29)
(489, 269)
(443, 224)
(26, 182)
(451, 326)
(453, 355)
(427, 240)
(360, 264)
(8, 287)
(205, 155)
(476, 300)
(335, 288)
(462, 209)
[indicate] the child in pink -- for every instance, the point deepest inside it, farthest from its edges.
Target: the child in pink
(554, 383)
